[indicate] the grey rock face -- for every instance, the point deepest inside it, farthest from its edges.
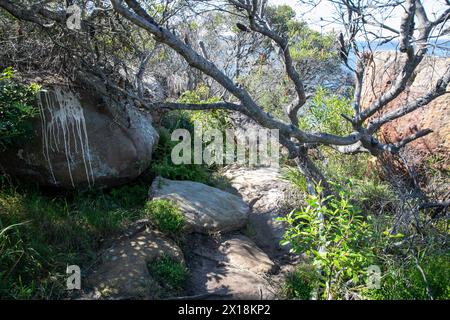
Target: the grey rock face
(231, 268)
(206, 209)
(123, 272)
(78, 142)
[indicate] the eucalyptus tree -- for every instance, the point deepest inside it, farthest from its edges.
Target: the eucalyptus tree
(414, 34)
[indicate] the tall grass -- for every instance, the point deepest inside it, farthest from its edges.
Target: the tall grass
(42, 234)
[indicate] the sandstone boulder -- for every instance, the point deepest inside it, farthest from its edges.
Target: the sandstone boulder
(269, 196)
(243, 253)
(230, 268)
(79, 141)
(206, 209)
(123, 272)
(436, 115)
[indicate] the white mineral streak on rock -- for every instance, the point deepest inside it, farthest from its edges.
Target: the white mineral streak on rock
(62, 117)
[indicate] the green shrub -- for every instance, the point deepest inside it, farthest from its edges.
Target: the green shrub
(356, 228)
(169, 273)
(294, 176)
(185, 119)
(373, 196)
(165, 215)
(16, 108)
(210, 119)
(162, 164)
(325, 114)
(334, 234)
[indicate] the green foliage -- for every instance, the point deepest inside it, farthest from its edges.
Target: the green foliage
(215, 119)
(210, 119)
(129, 196)
(162, 164)
(374, 196)
(404, 281)
(295, 177)
(171, 274)
(305, 43)
(301, 283)
(335, 235)
(16, 108)
(280, 16)
(165, 215)
(325, 113)
(357, 174)
(42, 234)
(436, 172)
(309, 50)
(352, 242)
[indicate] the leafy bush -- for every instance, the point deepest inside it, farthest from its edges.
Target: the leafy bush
(357, 174)
(325, 113)
(295, 177)
(212, 119)
(336, 236)
(165, 215)
(16, 108)
(373, 196)
(171, 274)
(162, 164)
(305, 42)
(351, 240)
(344, 243)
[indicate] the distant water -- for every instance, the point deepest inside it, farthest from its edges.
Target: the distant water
(437, 48)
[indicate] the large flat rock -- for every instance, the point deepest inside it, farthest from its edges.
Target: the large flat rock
(230, 268)
(206, 209)
(243, 253)
(122, 272)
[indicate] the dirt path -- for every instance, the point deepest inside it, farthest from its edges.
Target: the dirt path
(246, 263)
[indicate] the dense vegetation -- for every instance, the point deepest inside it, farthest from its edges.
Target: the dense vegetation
(170, 274)
(344, 234)
(42, 233)
(16, 108)
(165, 215)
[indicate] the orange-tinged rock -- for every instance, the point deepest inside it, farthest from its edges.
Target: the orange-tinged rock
(436, 115)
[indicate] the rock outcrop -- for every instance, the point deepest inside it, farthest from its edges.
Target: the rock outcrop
(231, 268)
(436, 115)
(223, 263)
(79, 141)
(269, 196)
(206, 209)
(122, 272)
